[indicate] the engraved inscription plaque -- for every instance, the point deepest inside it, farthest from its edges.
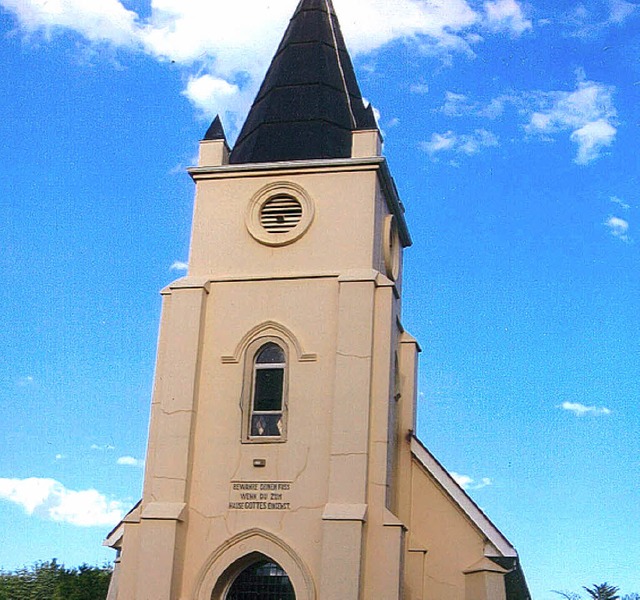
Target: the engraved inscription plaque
(259, 495)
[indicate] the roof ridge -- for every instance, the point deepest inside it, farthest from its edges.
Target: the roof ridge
(344, 81)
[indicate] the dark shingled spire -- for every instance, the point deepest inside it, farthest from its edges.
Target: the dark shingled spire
(215, 131)
(309, 102)
(369, 119)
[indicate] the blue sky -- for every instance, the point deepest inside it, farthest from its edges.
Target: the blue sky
(511, 129)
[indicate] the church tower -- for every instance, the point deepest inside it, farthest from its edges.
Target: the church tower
(282, 461)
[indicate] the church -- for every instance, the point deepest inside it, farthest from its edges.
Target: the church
(282, 460)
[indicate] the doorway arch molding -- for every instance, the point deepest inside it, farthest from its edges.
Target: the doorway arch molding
(252, 542)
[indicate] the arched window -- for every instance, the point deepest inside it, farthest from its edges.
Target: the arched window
(267, 414)
(262, 580)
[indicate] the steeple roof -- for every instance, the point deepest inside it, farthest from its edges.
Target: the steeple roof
(215, 131)
(309, 102)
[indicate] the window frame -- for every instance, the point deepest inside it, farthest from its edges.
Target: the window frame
(224, 584)
(265, 195)
(258, 560)
(249, 390)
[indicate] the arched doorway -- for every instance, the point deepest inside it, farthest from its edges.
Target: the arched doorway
(261, 579)
(249, 549)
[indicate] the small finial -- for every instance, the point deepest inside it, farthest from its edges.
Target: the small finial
(215, 131)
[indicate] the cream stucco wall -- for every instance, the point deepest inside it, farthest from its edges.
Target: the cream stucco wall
(340, 238)
(364, 516)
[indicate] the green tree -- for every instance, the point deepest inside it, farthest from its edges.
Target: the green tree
(52, 581)
(84, 583)
(604, 591)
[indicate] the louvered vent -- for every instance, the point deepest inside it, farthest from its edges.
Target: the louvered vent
(280, 214)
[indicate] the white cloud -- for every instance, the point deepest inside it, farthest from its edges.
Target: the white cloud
(462, 480)
(459, 105)
(103, 447)
(456, 105)
(179, 265)
(247, 32)
(468, 483)
(224, 68)
(580, 409)
(370, 24)
(506, 15)
(480, 138)
(468, 144)
(591, 139)
(60, 456)
(419, 88)
(96, 20)
(592, 21)
(181, 30)
(130, 461)
(621, 203)
(496, 107)
(439, 142)
(49, 499)
(620, 11)
(212, 95)
(618, 228)
(588, 112)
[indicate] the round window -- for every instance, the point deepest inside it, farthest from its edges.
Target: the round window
(391, 249)
(279, 214)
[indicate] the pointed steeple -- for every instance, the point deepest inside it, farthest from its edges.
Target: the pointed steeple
(309, 102)
(215, 131)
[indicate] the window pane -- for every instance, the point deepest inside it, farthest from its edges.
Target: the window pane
(264, 580)
(270, 353)
(268, 389)
(266, 425)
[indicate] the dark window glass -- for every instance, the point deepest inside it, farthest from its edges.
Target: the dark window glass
(267, 402)
(270, 353)
(268, 389)
(263, 580)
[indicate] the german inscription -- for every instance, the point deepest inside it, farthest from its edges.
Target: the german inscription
(260, 495)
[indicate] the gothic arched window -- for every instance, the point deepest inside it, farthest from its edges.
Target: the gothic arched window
(268, 389)
(262, 580)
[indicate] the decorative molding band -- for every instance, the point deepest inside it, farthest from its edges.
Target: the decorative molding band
(485, 565)
(168, 511)
(390, 520)
(292, 166)
(357, 275)
(345, 512)
(265, 329)
(187, 283)
(296, 167)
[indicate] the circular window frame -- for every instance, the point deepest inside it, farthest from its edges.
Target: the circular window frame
(391, 248)
(262, 197)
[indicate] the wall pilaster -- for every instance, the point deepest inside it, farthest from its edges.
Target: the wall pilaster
(174, 410)
(345, 513)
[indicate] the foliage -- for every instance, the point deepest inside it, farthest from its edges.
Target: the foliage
(567, 595)
(604, 591)
(52, 581)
